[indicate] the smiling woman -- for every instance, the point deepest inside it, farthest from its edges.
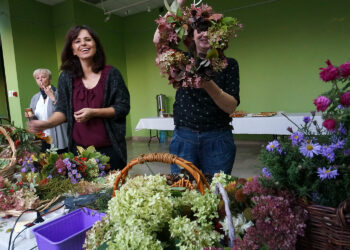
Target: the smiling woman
(92, 98)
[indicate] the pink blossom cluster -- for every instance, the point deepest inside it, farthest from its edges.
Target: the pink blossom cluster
(331, 72)
(61, 168)
(322, 103)
(277, 219)
(277, 224)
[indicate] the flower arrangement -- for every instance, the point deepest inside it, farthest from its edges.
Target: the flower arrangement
(316, 166)
(54, 174)
(263, 217)
(188, 69)
(144, 214)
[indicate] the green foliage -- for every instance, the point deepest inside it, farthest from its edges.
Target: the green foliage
(54, 187)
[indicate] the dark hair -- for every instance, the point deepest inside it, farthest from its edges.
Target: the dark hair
(71, 63)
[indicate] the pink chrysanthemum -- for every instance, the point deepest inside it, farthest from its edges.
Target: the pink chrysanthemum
(330, 73)
(322, 103)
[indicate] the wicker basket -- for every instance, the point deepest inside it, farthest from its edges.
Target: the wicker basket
(165, 158)
(192, 169)
(9, 169)
(327, 227)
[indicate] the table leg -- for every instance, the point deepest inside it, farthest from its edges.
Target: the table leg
(150, 136)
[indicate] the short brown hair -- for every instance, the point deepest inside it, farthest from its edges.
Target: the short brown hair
(71, 63)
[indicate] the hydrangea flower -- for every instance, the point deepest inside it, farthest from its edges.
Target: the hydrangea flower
(310, 149)
(324, 173)
(296, 138)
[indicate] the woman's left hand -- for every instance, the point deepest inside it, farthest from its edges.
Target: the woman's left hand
(83, 115)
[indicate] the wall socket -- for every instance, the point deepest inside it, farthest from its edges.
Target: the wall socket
(12, 93)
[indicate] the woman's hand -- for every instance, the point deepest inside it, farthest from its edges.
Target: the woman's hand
(83, 115)
(36, 126)
(49, 92)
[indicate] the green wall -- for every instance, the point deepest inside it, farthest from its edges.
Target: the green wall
(32, 47)
(3, 104)
(280, 50)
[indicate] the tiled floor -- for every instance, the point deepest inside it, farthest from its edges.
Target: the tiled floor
(246, 163)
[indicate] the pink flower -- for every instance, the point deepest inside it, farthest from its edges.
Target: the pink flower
(345, 69)
(329, 124)
(322, 103)
(345, 99)
(330, 73)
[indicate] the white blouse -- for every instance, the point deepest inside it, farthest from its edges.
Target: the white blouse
(41, 111)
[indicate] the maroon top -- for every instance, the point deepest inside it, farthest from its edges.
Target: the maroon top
(92, 132)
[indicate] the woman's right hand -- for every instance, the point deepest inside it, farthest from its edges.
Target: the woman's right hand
(36, 126)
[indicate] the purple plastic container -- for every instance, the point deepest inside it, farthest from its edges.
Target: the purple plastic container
(66, 232)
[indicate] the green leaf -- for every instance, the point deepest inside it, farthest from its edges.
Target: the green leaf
(181, 32)
(212, 53)
(178, 12)
(170, 19)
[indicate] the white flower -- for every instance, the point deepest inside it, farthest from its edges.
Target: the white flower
(240, 224)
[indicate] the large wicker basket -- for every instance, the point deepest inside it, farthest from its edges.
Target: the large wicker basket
(192, 169)
(327, 227)
(8, 170)
(165, 158)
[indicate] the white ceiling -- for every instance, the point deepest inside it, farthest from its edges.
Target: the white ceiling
(118, 7)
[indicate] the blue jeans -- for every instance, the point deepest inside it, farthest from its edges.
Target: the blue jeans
(210, 151)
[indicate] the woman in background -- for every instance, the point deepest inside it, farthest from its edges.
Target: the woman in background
(92, 98)
(43, 105)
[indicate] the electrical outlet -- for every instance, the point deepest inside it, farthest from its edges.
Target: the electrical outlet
(13, 93)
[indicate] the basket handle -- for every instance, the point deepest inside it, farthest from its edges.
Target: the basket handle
(165, 158)
(231, 230)
(12, 145)
(342, 209)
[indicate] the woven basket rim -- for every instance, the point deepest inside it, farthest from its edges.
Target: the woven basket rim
(164, 158)
(9, 169)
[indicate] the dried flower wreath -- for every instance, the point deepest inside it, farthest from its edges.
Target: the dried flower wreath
(188, 69)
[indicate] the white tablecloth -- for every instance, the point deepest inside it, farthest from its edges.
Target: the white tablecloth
(275, 125)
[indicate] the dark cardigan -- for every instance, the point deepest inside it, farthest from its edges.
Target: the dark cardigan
(116, 96)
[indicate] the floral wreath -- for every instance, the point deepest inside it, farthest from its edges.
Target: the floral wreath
(184, 68)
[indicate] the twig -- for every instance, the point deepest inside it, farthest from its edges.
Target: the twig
(290, 120)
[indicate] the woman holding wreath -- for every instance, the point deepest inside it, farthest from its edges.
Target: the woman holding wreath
(92, 98)
(203, 134)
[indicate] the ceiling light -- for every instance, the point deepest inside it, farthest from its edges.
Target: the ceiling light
(148, 9)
